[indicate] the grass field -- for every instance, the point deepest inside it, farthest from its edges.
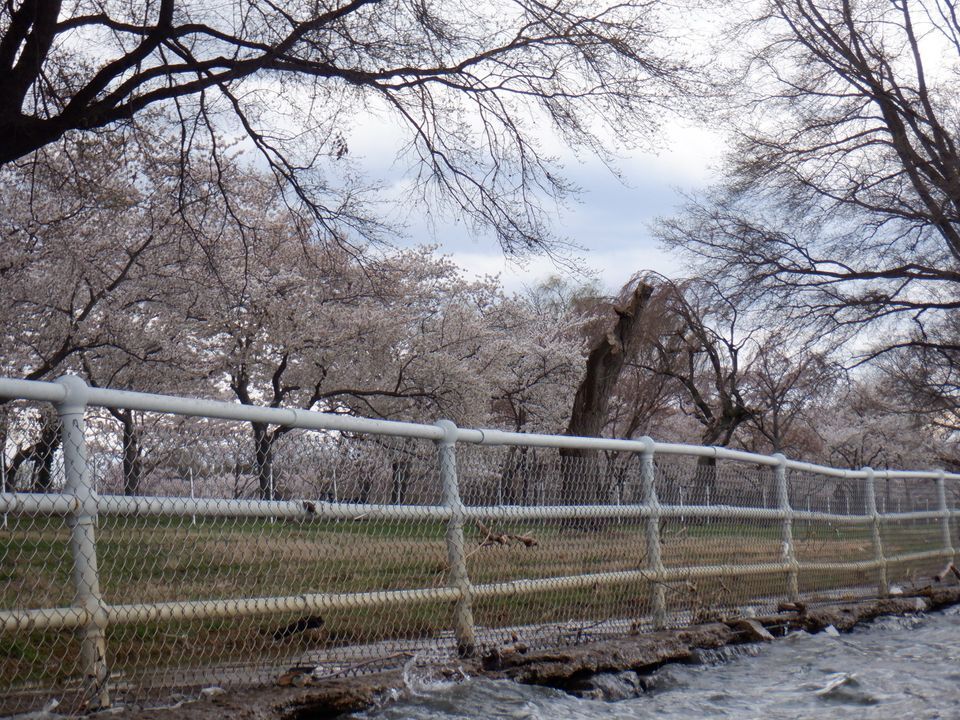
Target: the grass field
(152, 559)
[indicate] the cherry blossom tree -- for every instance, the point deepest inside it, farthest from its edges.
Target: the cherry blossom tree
(89, 247)
(284, 322)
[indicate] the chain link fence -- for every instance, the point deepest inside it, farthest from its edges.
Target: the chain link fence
(154, 545)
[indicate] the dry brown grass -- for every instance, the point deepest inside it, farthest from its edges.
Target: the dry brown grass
(152, 560)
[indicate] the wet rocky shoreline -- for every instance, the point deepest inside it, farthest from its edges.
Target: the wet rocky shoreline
(575, 669)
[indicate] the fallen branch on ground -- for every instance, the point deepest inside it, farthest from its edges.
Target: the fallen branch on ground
(945, 573)
(491, 537)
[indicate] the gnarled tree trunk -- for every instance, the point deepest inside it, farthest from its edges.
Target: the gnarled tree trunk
(580, 468)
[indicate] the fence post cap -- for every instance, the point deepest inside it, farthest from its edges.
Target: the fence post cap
(449, 428)
(648, 443)
(780, 458)
(75, 399)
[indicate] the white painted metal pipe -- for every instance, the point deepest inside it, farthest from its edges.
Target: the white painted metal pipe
(193, 407)
(458, 578)
(786, 527)
(871, 502)
(312, 420)
(947, 536)
(307, 603)
(21, 503)
(26, 620)
(23, 620)
(654, 554)
(307, 419)
(83, 543)
(32, 390)
(144, 505)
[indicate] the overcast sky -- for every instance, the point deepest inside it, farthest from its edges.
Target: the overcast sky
(610, 221)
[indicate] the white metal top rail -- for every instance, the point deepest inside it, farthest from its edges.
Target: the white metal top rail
(56, 392)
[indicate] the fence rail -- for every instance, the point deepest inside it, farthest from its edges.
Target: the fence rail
(106, 595)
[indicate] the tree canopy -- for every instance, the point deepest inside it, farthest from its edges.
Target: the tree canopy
(141, 246)
(471, 87)
(839, 206)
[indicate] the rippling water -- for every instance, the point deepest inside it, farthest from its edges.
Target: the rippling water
(903, 668)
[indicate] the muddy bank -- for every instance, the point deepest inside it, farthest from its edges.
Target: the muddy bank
(570, 669)
(327, 699)
(298, 697)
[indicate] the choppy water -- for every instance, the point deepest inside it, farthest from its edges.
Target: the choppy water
(897, 668)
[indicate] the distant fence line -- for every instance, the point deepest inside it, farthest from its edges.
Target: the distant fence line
(147, 566)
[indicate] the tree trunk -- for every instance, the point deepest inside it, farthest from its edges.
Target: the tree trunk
(263, 460)
(238, 471)
(7, 481)
(525, 472)
(19, 459)
(514, 478)
(364, 489)
(718, 433)
(132, 460)
(707, 481)
(45, 450)
(400, 475)
(590, 404)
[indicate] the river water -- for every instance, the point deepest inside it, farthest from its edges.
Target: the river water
(894, 668)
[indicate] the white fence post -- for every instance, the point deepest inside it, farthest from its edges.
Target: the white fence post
(83, 544)
(786, 526)
(655, 557)
(456, 555)
(945, 516)
(883, 586)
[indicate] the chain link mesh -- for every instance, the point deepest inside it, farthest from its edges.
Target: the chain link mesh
(349, 571)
